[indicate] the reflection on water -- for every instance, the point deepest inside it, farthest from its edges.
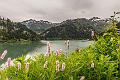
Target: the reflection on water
(19, 49)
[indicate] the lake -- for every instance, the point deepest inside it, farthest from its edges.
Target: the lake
(39, 47)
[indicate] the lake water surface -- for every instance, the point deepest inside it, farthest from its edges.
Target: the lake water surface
(19, 49)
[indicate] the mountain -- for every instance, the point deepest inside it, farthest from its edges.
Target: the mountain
(39, 26)
(10, 30)
(76, 29)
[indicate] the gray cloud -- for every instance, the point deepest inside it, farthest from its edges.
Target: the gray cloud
(79, 4)
(57, 10)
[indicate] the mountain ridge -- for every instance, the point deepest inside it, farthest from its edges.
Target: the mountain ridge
(39, 26)
(79, 28)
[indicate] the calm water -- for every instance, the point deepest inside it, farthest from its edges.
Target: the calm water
(19, 49)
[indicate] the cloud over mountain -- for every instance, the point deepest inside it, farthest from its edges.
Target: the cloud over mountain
(57, 10)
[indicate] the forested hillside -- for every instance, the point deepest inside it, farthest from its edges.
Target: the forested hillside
(16, 31)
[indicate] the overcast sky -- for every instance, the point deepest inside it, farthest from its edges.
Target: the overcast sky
(57, 10)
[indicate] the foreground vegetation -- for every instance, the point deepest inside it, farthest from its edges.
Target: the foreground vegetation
(99, 61)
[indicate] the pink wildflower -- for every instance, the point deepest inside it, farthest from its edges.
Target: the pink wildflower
(12, 64)
(3, 54)
(57, 52)
(27, 66)
(48, 48)
(63, 66)
(60, 50)
(46, 54)
(9, 62)
(19, 65)
(6, 65)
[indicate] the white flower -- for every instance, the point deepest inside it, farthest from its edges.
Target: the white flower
(46, 64)
(2, 67)
(111, 39)
(92, 65)
(68, 42)
(82, 78)
(92, 33)
(57, 66)
(65, 42)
